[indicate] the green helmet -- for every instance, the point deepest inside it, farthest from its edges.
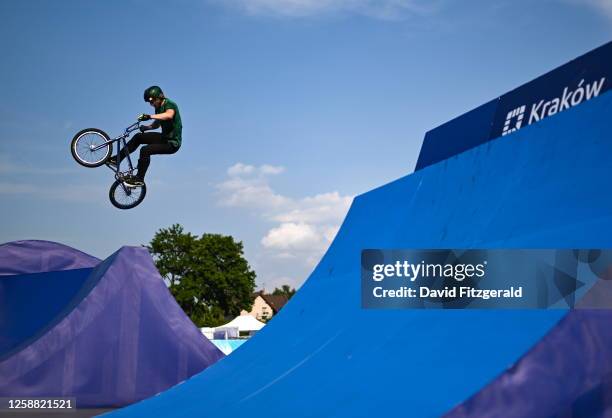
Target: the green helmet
(153, 92)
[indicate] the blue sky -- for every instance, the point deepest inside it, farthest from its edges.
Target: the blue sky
(290, 107)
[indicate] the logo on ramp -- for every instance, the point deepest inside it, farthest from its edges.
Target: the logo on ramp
(544, 108)
(514, 120)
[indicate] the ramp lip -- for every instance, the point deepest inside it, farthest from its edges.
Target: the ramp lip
(37, 256)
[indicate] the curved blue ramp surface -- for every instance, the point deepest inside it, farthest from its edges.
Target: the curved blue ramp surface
(117, 338)
(546, 186)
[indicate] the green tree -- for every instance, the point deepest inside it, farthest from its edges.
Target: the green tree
(285, 290)
(208, 275)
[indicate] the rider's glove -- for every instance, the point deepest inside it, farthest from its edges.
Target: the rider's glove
(143, 117)
(143, 128)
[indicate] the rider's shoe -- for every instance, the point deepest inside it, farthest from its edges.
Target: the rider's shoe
(133, 181)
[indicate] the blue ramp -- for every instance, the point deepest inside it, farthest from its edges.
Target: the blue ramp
(545, 186)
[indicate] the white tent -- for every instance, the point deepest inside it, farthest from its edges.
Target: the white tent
(244, 323)
(208, 332)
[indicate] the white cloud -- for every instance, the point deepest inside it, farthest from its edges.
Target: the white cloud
(330, 232)
(245, 170)
(250, 193)
(327, 207)
(240, 169)
(248, 187)
(271, 169)
(379, 9)
(302, 228)
(292, 236)
(283, 255)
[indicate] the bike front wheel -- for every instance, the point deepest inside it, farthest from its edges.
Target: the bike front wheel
(91, 147)
(126, 197)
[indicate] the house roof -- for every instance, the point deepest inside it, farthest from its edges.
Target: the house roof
(276, 302)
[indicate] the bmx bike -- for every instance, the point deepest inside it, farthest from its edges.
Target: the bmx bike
(92, 147)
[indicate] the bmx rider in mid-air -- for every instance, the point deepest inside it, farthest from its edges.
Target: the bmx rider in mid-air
(168, 141)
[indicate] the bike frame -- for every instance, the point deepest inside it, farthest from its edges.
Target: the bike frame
(120, 140)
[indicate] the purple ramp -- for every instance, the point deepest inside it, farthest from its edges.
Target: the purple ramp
(126, 339)
(567, 375)
(27, 257)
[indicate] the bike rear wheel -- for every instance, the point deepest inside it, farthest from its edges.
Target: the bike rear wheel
(84, 144)
(124, 197)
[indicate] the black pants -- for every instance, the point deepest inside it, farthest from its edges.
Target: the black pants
(155, 144)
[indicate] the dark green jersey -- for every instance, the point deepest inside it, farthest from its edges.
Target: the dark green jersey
(171, 129)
